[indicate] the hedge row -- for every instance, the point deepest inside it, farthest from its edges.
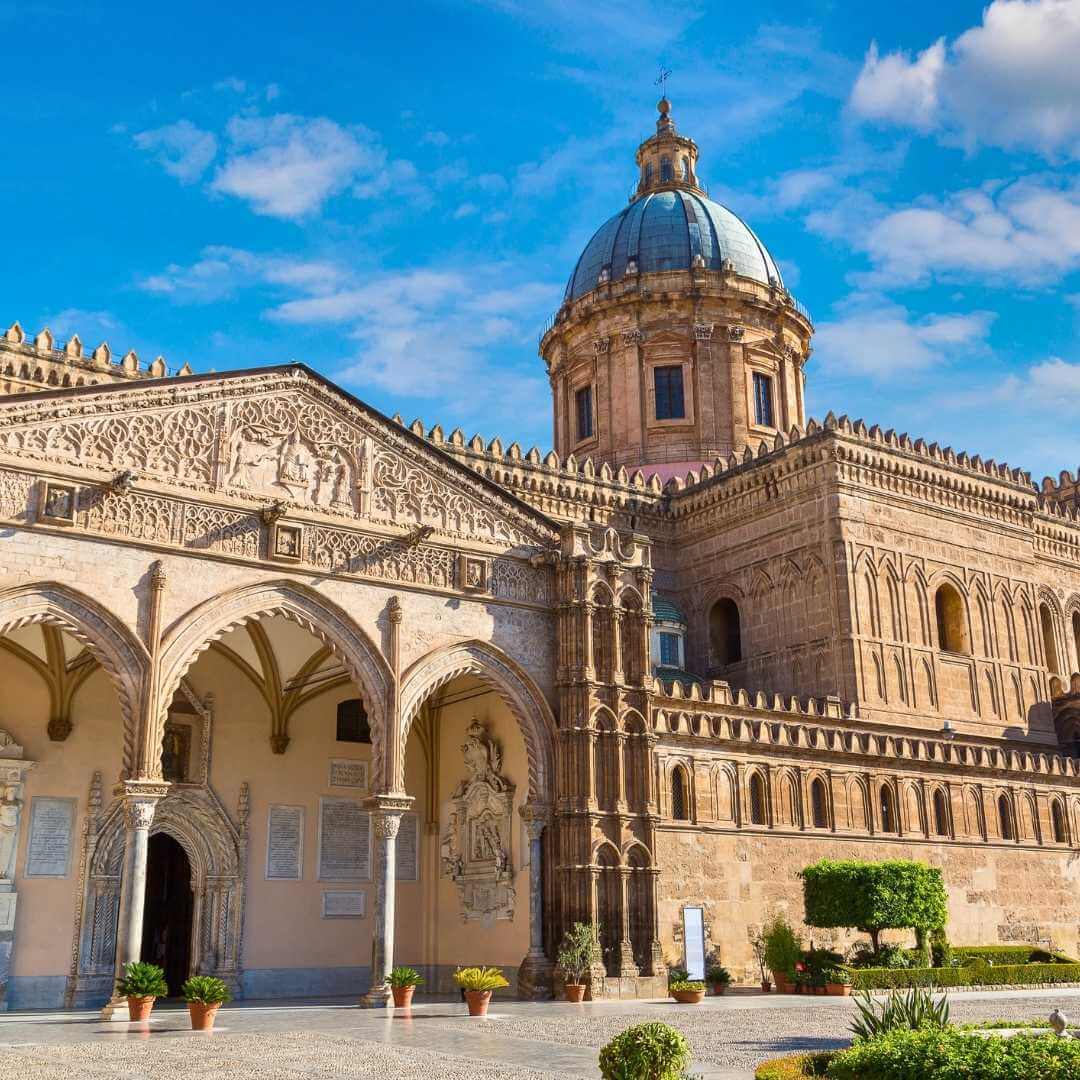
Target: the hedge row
(1009, 954)
(979, 975)
(795, 1066)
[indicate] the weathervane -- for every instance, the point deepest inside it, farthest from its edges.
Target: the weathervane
(662, 78)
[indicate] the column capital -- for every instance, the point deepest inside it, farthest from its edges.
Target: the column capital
(536, 818)
(388, 806)
(141, 790)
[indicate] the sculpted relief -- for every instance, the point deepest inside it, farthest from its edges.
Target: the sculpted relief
(476, 842)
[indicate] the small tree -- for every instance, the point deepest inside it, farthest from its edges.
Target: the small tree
(872, 897)
(577, 952)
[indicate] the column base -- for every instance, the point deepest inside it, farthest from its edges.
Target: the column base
(378, 997)
(535, 976)
(627, 968)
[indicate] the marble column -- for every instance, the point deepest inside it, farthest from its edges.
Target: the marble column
(535, 971)
(386, 811)
(139, 803)
(13, 770)
(627, 966)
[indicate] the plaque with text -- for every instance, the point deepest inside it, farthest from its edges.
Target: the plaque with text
(344, 840)
(345, 772)
(48, 851)
(7, 911)
(407, 849)
(343, 905)
(285, 843)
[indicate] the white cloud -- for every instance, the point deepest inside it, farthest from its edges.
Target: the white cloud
(288, 166)
(1027, 231)
(464, 210)
(182, 149)
(233, 84)
(884, 342)
(91, 326)
(1013, 81)
(434, 138)
(1054, 384)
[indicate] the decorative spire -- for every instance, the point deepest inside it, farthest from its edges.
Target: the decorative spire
(667, 160)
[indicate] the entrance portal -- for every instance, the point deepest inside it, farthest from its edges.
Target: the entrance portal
(168, 917)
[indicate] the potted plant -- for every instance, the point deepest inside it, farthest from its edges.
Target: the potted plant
(478, 983)
(141, 984)
(758, 945)
(838, 982)
(783, 951)
(720, 978)
(687, 991)
(575, 958)
(403, 981)
(204, 995)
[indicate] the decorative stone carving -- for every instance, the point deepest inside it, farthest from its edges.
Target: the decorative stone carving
(703, 331)
(601, 345)
(736, 333)
(476, 845)
(633, 337)
(13, 769)
(473, 573)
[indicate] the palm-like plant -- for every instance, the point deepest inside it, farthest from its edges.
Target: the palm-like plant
(141, 980)
(480, 978)
(918, 1008)
(206, 990)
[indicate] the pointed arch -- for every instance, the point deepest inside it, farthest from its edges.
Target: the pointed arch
(940, 803)
(681, 793)
(758, 797)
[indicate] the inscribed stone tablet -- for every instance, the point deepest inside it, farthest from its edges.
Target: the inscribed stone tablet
(48, 852)
(343, 905)
(344, 841)
(7, 912)
(344, 772)
(285, 843)
(406, 851)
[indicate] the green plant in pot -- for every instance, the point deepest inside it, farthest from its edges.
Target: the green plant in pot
(403, 982)
(687, 991)
(205, 994)
(577, 952)
(783, 952)
(719, 978)
(758, 945)
(141, 984)
(649, 1051)
(478, 983)
(838, 981)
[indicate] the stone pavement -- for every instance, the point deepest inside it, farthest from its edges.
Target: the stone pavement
(436, 1039)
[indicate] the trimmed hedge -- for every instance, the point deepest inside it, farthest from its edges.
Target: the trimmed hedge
(976, 975)
(947, 1054)
(1009, 954)
(795, 1066)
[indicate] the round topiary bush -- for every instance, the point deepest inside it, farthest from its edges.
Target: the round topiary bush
(645, 1052)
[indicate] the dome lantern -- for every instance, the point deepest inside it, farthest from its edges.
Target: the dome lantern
(666, 160)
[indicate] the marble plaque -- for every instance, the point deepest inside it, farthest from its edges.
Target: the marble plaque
(48, 851)
(345, 772)
(407, 848)
(344, 840)
(285, 843)
(343, 905)
(7, 912)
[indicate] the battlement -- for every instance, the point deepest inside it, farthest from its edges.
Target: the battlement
(44, 363)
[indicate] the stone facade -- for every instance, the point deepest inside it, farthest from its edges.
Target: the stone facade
(388, 693)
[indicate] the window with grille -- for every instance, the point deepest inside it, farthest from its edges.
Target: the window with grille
(584, 413)
(679, 805)
(667, 381)
(669, 650)
(352, 722)
(763, 404)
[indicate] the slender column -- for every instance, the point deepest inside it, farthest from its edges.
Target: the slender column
(620, 764)
(139, 803)
(588, 666)
(627, 965)
(386, 814)
(616, 646)
(535, 971)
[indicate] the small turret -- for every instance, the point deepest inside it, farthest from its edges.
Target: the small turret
(667, 160)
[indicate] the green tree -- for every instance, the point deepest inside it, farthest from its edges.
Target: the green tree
(897, 894)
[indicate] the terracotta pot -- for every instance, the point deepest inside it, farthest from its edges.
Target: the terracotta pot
(477, 1000)
(719, 988)
(140, 1008)
(202, 1016)
(574, 991)
(766, 986)
(688, 997)
(837, 990)
(402, 996)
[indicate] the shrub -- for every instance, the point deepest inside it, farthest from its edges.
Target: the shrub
(677, 974)
(645, 1052)
(940, 950)
(718, 975)
(206, 990)
(978, 975)
(480, 978)
(783, 950)
(895, 894)
(912, 1011)
(795, 1066)
(577, 952)
(1009, 954)
(819, 960)
(686, 984)
(404, 976)
(142, 980)
(947, 1054)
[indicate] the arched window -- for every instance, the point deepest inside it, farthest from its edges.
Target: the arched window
(680, 803)
(1057, 821)
(941, 813)
(951, 624)
(1005, 818)
(1076, 636)
(666, 171)
(648, 173)
(1046, 620)
(819, 804)
(725, 633)
(757, 800)
(888, 809)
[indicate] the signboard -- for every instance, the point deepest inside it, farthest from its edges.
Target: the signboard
(285, 843)
(694, 941)
(48, 852)
(343, 905)
(344, 840)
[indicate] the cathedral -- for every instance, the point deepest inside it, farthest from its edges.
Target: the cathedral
(292, 692)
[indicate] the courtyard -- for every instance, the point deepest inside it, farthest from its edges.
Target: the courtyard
(730, 1035)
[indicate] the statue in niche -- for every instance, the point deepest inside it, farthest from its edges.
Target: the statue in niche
(476, 843)
(10, 807)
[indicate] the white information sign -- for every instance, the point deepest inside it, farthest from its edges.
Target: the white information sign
(48, 851)
(285, 843)
(694, 941)
(345, 772)
(343, 905)
(344, 840)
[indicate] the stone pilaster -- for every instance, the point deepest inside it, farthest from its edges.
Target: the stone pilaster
(13, 770)
(536, 970)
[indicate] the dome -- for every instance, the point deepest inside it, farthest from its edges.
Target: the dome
(665, 230)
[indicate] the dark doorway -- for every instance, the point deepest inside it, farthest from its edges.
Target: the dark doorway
(167, 919)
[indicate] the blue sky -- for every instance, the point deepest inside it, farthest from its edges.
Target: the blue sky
(397, 194)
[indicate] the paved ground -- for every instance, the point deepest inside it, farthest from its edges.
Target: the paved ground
(555, 1041)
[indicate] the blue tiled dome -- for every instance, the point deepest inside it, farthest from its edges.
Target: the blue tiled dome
(664, 230)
